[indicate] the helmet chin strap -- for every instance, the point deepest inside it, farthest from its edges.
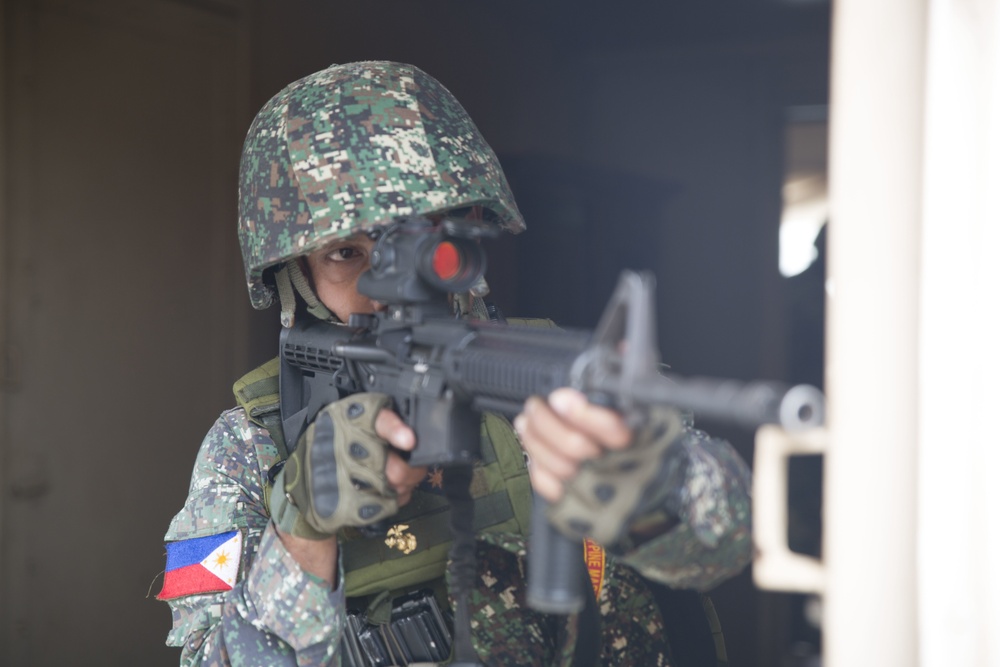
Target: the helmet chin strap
(289, 279)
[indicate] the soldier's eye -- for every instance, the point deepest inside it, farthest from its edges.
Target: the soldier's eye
(344, 254)
(342, 260)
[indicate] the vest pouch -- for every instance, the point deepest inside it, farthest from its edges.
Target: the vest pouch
(501, 493)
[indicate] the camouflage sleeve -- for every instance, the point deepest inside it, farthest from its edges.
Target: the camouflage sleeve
(276, 614)
(712, 540)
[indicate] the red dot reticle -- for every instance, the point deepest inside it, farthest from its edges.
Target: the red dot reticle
(447, 261)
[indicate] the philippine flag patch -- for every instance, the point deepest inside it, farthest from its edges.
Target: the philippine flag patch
(202, 565)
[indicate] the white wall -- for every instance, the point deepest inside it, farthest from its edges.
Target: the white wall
(958, 538)
(912, 542)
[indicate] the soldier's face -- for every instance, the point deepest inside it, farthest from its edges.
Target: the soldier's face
(335, 269)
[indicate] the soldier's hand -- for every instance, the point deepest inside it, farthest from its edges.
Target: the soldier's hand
(344, 470)
(599, 476)
(402, 477)
(561, 433)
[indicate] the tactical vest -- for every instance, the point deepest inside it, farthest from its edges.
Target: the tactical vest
(417, 554)
(376, 571)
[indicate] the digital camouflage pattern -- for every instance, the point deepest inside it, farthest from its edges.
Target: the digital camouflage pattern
(507, 630)
(714, 531)
(278, 615)
(352, 147)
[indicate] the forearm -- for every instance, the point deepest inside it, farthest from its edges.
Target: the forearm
(279, 615)
(710, 540)
(316, 557)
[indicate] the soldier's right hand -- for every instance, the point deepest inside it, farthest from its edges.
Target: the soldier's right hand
(403, 478)
(343, 471)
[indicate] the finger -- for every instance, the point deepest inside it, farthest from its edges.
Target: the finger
(400, 475)
(542, 435)
(406, 487)
(546, 485)
(602, 424)
(563, 436)
(390, 427)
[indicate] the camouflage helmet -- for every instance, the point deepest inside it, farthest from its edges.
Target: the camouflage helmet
(350, 148)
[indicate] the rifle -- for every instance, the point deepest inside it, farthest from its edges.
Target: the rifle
(442, 372)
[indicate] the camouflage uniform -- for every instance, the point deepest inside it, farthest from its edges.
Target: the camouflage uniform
(340, 152)
(279, 615)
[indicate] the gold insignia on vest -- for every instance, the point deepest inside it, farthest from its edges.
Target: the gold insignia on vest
(398, 538)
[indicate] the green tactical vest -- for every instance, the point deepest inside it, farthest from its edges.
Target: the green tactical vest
(501, 492)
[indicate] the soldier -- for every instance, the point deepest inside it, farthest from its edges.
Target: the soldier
(264, 560)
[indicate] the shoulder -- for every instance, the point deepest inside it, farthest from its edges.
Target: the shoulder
(227, 482)
(234, 436)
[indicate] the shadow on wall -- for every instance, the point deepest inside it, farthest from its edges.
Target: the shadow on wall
(585, 225)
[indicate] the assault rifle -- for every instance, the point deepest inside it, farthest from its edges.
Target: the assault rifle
(442, 372)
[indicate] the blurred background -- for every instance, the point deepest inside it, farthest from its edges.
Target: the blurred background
(687, 137)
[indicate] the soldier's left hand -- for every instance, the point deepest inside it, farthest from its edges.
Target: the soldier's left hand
(561, 433)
